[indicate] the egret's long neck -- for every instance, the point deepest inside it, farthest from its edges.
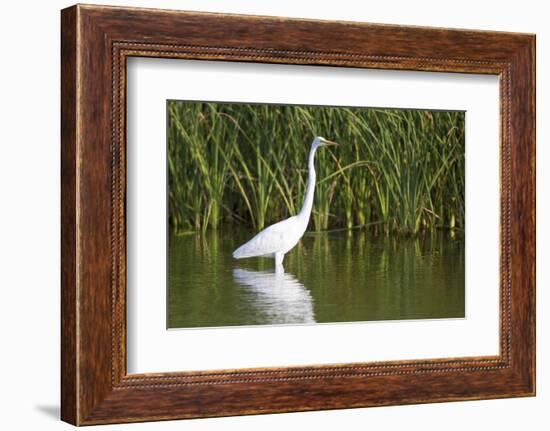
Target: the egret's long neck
(305, 212)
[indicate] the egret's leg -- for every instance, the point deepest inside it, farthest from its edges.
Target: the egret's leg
(279, 261)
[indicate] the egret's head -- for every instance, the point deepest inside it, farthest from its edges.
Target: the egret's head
(319, 141)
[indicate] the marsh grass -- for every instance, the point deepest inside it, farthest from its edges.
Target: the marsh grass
(395, 170)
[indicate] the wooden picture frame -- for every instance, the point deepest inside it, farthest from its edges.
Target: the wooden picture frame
(96, 41)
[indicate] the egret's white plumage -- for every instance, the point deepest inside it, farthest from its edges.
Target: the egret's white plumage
(278, 239)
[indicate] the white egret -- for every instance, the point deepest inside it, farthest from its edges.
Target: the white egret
(278, 239)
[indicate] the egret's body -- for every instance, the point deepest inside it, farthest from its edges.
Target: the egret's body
(278, 239)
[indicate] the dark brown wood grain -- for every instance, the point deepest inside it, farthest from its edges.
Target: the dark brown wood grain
(68, 217)
(95, 42)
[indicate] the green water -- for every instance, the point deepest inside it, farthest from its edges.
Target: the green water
(330, 277)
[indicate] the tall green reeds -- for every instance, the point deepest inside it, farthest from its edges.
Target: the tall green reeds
(395, 170)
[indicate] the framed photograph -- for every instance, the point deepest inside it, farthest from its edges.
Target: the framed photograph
(264, 215)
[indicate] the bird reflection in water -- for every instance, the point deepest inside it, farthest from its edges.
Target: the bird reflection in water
(278, 295)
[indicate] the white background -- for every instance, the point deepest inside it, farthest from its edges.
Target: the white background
(29, 216)
(151, 348)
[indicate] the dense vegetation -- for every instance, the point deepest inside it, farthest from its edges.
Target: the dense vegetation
(395, 170)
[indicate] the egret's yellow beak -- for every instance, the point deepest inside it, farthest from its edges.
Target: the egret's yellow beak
(329, 143)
